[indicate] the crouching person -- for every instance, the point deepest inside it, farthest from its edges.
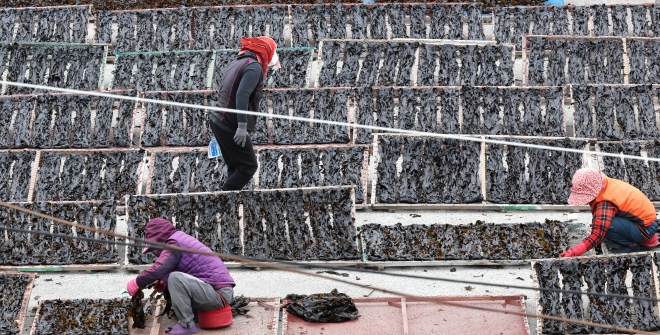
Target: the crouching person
(195, 282)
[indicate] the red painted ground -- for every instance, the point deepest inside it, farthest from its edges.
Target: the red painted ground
(385, 316)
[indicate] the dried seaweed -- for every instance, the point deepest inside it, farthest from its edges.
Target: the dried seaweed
(387, 73)
(648, 128)
(348, 74)
(337, 27)
(614, 69)
(268, 171)
(174, 127)
(488, 67)
(125, 32)
(319, 220)
(468, 244)
(310, 171)
(112, 167)
(8, 22)
(613, 166)
(276, 234)
(358, 17)
(409, 177)
(281, 128)
(378, 29)
(241, 25)
(639, 21)
(427, 65)
(160, 180)
(230, 230)
(582, 114)
(417, 20)
(475, 22)
(103, 26)
(617, 268)
(144, 28)
(550, 302)
(328, 76)
(385, 107)
(370, 65)
(322, 109)
(596, 51)
(637, 59)
(291, 169)
(455, 17)
(63, 316)
(196, 129)
(450, 111)
(223, 27)
(318, 25)
(511, 111)
(427, 117)
(470, 60)
(199, 77)
(491, 111)
(201, 28)
(556, 63)
(253, 232)
(449, 69)
(625, 112)
(127, 181)
(438, 21)
(277, 15)
(471, 100)
(16, 247)
(653, 61)
(580, 21)
(554, 112)
(48, 178)
(182, 30)
(406, 57)
(600, 20)
(521, 25)
(153, 122)
(542, 19)
(502, 29)
(397, 20)
(605, 114)
(533, 119)
(619, 20)
(302, 246)
(640, 266)
(535, 69)
(389, 150)
(496, 175)
(365, 113)
(299, 32)
(636, 170)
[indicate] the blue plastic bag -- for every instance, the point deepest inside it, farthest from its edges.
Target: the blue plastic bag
(214, 149)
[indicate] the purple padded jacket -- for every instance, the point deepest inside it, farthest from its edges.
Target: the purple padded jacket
(209, 269)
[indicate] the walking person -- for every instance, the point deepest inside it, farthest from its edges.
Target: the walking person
(241, 88)
(194, 281)
(622, 214)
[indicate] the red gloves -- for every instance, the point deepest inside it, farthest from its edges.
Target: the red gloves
(132, 287)
(578, 250)
(160, 286)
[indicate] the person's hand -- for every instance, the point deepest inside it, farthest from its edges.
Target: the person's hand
(577, 250)
(567, 253)
(132, 287)
(160, 286)
(241, 134)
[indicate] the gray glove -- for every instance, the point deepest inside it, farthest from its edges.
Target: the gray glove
(241, 134)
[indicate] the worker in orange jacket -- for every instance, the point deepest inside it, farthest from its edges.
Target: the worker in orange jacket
(622, 214)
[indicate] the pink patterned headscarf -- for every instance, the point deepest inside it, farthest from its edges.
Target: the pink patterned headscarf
(587, 184)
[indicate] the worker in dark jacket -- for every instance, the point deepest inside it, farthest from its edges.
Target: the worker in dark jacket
(194, 281)
(241, 88)
(622, 214)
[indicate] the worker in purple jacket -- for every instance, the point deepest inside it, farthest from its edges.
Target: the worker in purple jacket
(194, 281)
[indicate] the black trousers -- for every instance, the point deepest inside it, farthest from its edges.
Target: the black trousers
(241, 161)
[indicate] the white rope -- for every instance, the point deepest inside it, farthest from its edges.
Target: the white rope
(334, 123)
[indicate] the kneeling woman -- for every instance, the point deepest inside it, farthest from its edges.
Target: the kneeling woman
(621, 213)
(194, 281)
